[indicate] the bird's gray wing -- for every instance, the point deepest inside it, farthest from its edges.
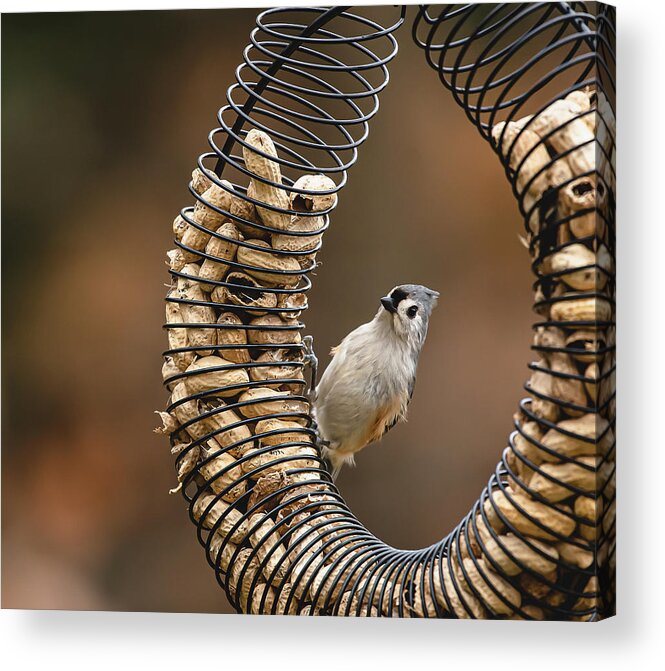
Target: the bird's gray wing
(402, 414)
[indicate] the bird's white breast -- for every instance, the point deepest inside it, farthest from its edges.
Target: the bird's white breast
(371, 373)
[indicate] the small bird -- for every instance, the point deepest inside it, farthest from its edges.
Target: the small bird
(367, 386)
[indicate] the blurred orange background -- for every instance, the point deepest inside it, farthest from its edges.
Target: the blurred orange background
(104, 115)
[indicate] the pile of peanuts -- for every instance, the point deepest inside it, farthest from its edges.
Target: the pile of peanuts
(238, 415)
(559, 491)
(540, 542)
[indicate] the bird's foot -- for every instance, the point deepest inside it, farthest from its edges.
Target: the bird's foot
(318, 438)
(322, 447)
(310, 361)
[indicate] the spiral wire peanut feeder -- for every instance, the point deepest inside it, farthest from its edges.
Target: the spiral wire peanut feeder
(537, 81)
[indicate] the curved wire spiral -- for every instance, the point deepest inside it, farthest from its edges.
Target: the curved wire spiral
(499, 64)
(276, 530)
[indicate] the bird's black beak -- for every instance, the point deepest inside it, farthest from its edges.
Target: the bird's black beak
(389, 304)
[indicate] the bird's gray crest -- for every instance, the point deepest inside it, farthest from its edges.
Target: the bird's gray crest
(417, 292)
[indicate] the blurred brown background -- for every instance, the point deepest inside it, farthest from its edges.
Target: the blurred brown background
(103, 117)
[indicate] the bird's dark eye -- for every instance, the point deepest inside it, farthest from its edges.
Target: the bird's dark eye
(412, 311)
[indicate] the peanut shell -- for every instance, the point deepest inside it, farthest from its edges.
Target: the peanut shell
(221, 472)
(261, 263)
(268, 169)
(247, 293)
(206, 378)
(221, 249)
(267, 401)
(230, 335)
(220, 513)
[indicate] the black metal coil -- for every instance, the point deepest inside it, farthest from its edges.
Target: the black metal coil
(310, 79)
(502, 62)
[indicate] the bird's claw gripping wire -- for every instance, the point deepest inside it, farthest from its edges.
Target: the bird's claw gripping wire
(311, 362)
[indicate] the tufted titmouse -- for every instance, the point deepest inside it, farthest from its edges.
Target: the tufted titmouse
(367, 386)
